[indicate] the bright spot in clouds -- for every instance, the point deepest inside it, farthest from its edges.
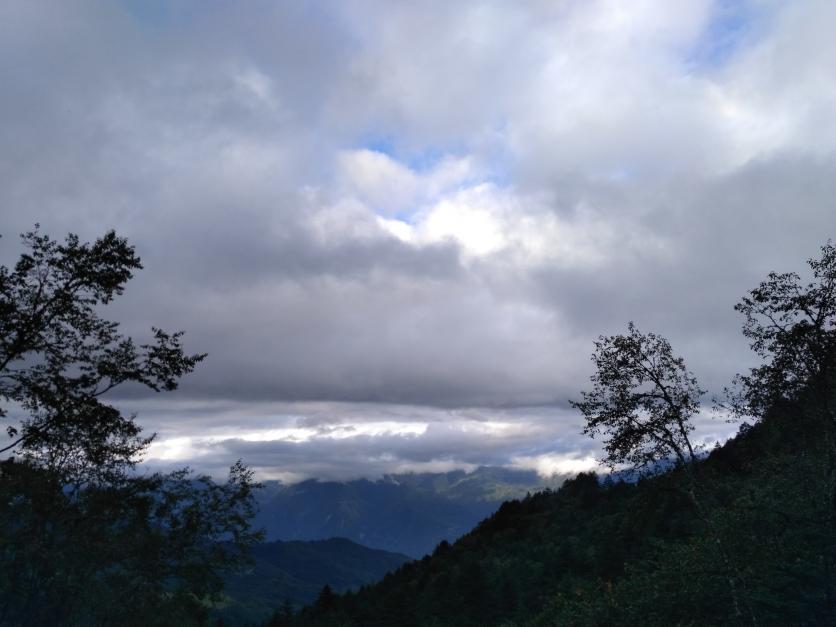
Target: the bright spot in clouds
(556, 464)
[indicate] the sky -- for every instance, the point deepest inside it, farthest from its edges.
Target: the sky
(397, 227)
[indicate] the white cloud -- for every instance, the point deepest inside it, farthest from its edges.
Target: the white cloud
(471, 217)
(484, 220)
(556, 464)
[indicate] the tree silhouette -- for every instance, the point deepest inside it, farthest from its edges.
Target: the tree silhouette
(327, 600)
(641, 402)
(83, 540)
(792, 327)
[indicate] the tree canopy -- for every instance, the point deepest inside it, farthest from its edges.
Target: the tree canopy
(792, 328)
(84, 539)
(641, 401)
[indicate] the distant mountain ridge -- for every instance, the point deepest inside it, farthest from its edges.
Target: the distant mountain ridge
(407, 513)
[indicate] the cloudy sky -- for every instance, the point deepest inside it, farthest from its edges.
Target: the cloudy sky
(397, 227)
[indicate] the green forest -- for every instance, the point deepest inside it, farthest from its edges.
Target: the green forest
(741, 534)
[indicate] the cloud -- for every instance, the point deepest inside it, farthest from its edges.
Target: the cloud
(303, 441)
(360, 207)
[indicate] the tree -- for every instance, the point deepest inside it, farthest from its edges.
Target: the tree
(83, 540)
(58, 357)
(281, 617)
(792, 327)
(327, 600)
(642, 400)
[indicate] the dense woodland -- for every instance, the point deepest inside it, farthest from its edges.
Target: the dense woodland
(742, 534)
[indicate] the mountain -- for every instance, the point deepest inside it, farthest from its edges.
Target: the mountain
(403, 513)
(297, 572)
(742, 536)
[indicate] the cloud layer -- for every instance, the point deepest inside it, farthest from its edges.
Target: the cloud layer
(360, 207)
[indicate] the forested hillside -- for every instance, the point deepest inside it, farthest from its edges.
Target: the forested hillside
(296, 572)
(638, 554)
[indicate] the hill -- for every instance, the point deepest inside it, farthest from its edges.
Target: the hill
(594, 553)
(297, 572)
(403, 513)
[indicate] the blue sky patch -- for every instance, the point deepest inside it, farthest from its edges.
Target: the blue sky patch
(729, 29)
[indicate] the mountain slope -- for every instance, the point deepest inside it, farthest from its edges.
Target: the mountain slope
(297, 572)
(637, 554)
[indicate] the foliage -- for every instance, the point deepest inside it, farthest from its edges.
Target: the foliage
(641, 401)
(83, 539)
(58, 357)
(792, 327)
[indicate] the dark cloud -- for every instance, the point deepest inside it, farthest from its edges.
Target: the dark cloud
(377, 213)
